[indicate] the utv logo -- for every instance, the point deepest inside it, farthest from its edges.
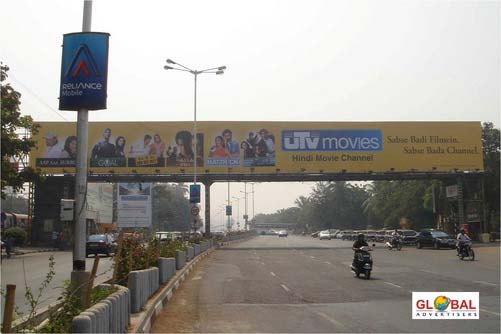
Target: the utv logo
(83, 50)
(332, 140)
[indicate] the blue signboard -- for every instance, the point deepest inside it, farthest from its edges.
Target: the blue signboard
(84, 71)
(228, 210)
(194, 193)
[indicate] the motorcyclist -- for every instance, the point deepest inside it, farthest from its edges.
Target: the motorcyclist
(463, 239)
(395, 237)
(360, 242)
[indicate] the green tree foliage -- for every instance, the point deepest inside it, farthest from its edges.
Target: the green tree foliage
(14, 147)
(491, 150)
(171, 207)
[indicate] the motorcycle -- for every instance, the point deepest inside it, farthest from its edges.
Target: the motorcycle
(394, 243)
(466, 252)
(362, 263)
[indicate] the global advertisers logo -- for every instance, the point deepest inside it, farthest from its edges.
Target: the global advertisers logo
(84, 71)
(445, 305)
(332, 140)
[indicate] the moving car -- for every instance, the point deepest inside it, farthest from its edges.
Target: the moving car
(315, 234)
(99, 244)
(347, 235)
(409, 237)
(282, 233)
(436, 239)
(324, 235)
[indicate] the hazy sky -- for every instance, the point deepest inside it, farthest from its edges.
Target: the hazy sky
(287, 60)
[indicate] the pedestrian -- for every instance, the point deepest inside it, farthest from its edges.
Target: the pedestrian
(55, 238)
(9, 240)
(61, 240)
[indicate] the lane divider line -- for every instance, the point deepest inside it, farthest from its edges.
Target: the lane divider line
(490, 312)
(486, 283)
(389, 283)
(327, 262)
(427, 271)
(330, 319)
(285, 287)
(273, 274)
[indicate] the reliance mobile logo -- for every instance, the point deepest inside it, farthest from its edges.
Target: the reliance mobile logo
(84, 50)
(445, 305)
(332, 140)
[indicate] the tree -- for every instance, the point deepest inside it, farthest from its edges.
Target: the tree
(170, 208)
(14, 148)
(491, 150)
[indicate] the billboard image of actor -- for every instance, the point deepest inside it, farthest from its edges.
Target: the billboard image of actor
(231, 145)
(54, 147)
(104, 149)
(70, 148)
(120, 147)
(181, 153)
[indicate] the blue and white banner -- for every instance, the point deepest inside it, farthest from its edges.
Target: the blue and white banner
(134, 205)
(84, 71)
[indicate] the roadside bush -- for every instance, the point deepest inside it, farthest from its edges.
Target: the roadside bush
(168, 249)
(18, 233)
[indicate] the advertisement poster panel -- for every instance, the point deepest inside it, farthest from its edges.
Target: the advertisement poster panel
(263, 147)
(84, 71)
(134, 205)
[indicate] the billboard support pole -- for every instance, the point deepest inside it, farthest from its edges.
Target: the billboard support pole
(207, 185)
(79, 277)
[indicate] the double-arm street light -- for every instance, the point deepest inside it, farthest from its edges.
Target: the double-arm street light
(238, 208)
(172, 65)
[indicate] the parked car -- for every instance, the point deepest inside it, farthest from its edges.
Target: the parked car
(370, 236)
(324, 235)
(347, 235)
(282, 233)
(380, 236)
(409, 237)
(387, 235)
(436, 239)
(100, 244)
(315, 234)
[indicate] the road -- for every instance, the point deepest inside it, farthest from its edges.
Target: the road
(36, 266)
(301, 285)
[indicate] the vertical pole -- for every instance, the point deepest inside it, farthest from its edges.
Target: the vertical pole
(461, 219)
(207, 185)
(79, 276)
(195, 133)
(229, 203)
(9, 308)
(246, 215)
(252, 202)
(485, 220)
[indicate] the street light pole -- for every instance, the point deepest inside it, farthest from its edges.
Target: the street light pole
(215, 70)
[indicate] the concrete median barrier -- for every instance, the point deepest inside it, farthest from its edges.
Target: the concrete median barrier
(167, 268)
(142, 284)
(180, 259)
(110, 315)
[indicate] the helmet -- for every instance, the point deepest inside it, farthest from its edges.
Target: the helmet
(462, 230)
(360, 236)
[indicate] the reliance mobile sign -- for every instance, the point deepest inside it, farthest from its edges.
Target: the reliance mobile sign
(332, 140)
(84, 71)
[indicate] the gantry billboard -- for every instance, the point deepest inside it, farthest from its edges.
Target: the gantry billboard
(262, 147)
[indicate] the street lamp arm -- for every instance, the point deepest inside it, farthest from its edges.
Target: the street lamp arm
(173, 68)
(219, 68)
(169, 61)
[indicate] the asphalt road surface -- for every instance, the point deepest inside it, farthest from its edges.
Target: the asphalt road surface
(300, 285)
(36, 267)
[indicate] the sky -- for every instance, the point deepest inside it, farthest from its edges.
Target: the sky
(286, 60)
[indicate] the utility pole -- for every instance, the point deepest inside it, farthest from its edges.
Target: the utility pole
(80, 277)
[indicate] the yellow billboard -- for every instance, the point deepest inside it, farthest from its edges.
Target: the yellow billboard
(262, 147)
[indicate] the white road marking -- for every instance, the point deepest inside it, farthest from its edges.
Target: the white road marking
(330, 319)
(327, 262)
(486, 283)
(273, 274)
(427, 271)
(262, 263)
(312, 257)
(487, 311)
(285, 287)
(389, 283)
(196, 278)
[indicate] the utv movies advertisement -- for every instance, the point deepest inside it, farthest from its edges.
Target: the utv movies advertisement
(262, 147)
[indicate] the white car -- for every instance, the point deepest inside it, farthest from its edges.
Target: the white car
(282, 233)
(324, 235)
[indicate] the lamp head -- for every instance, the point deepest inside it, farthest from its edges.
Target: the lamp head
(167, 67)
(219, 72)
(170, 61)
